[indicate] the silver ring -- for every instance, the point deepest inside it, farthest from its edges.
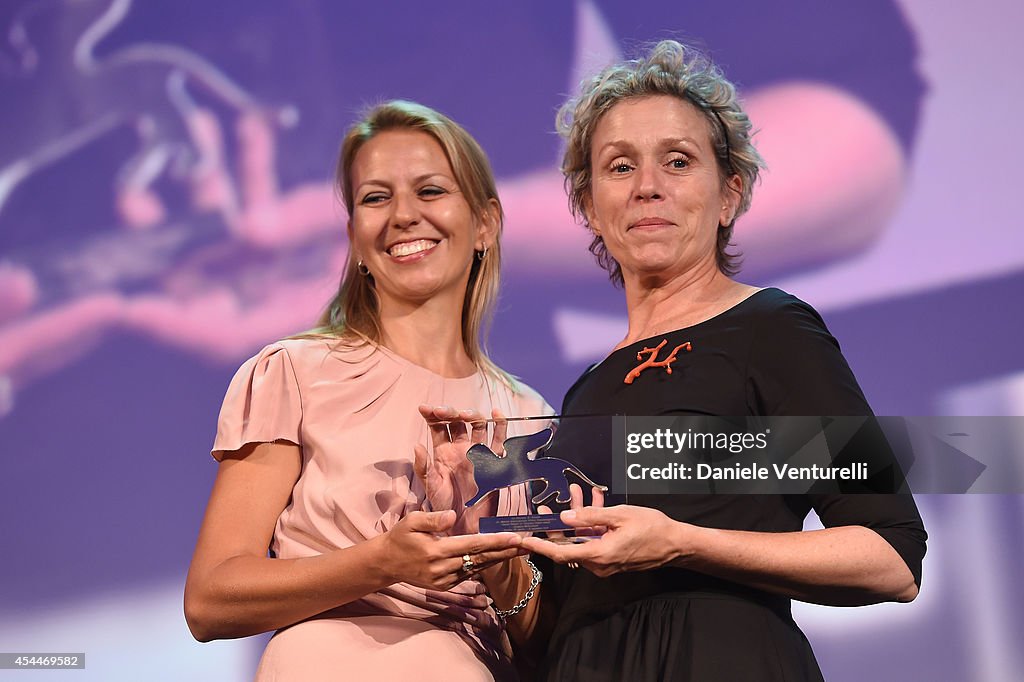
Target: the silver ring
(467, 563)
(573, 565)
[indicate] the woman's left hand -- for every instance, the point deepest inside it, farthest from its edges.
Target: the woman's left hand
(636, 539)
(446, 471)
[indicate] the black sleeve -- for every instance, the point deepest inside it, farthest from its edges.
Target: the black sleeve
(894, 517)
(796, 368)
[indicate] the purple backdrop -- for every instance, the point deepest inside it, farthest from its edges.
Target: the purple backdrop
(166, 209)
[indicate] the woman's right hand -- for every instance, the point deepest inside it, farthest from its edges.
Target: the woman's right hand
(417, 551)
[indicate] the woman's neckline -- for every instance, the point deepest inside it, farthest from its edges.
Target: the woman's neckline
(402, 360)
(728, 311)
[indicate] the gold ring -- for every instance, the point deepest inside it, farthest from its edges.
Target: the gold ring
(467, 563)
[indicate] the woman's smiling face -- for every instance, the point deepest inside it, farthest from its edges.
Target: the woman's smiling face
(656, 196)
(411, 225)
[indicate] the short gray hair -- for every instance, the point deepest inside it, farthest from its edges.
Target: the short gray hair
(670, 68)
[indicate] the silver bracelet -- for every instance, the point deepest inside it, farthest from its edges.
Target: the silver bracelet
(534, 582)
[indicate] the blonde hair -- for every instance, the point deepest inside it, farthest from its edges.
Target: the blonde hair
(670, 68)
(353, 315)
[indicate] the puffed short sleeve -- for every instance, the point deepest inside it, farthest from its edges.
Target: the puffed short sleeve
(262, 405)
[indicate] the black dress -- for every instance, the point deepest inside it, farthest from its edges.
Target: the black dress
(769, 355)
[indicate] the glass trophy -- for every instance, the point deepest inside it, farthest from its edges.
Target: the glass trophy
(543, 454)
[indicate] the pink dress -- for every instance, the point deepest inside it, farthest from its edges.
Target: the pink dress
(354, 413)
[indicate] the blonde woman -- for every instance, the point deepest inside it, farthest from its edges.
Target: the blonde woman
(317, 434)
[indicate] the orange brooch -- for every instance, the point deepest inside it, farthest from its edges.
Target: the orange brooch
(651, 360)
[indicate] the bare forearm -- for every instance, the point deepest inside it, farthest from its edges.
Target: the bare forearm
(845, 566)
(247, 595)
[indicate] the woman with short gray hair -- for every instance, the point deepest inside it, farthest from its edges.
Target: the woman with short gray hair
(659, 164)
